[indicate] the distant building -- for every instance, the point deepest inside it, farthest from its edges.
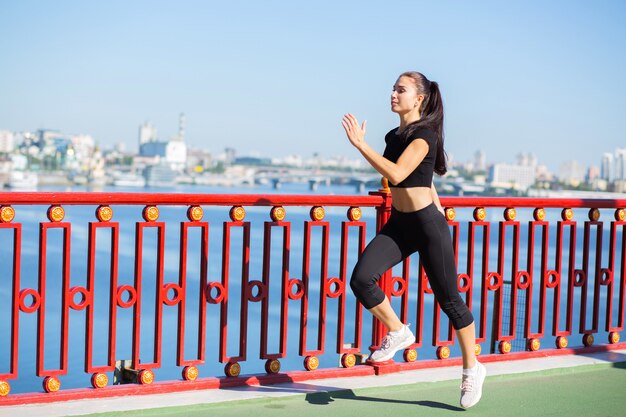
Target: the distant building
(526, 159)
(519, 177)
(480, 161)
(593, 174)
(199, 160)
(607, 170)
(147, 133)
(620, 164)
(173, 152)
(572, 173)
(7, 141)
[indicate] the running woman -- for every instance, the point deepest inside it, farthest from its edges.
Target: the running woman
(413, 151)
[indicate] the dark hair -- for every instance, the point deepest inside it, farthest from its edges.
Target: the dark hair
(431, 112)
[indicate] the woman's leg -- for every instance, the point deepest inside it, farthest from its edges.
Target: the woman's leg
(467, 340)
(387, 315)
(382, 253)
(437, 256)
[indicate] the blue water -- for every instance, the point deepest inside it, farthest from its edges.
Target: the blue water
(80, 216)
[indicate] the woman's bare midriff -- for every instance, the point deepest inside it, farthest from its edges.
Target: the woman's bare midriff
(411, 199)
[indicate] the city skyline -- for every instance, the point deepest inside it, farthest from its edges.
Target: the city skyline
(275, 79)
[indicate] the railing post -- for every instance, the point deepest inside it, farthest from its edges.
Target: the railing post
(383, 212)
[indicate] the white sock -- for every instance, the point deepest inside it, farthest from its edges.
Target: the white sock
(397, 332)
(472, 370)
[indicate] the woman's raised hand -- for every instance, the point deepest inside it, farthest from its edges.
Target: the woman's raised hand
(355, 133)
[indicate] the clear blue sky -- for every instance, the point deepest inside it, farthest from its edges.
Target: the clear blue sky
(275, 77)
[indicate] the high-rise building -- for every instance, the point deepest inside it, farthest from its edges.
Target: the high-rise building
(480, 161)
(147, 133)
(620, 164)
(607, 168)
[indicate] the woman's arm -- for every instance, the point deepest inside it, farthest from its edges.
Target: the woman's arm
(394, 172)
(433, 193)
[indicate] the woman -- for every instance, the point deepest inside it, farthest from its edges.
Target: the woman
(413, 151)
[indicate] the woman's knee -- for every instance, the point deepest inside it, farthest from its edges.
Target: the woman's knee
(361, 281)
(364, 286)
(457, 311)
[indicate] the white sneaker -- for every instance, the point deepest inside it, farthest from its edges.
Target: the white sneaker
(393, 342)
(472, 386)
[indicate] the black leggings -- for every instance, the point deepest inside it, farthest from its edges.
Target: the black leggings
(425, 231)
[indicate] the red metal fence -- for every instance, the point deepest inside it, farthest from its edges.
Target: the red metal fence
(568, 273)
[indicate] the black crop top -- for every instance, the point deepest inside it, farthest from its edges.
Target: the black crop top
(422, 176)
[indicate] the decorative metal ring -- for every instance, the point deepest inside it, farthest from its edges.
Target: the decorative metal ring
(398, 286)
(463, 283)
(132, 296)
(553, 279)
(220, 293)
(334, 287)
(85, 300)
(34, 305)
(300, 289)
(261, 294)
(497, 282)
(580, 278)
(177, 294)
(523, 280)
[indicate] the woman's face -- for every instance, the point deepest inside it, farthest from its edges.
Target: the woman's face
(404, 97)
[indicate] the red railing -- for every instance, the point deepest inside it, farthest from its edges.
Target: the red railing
(567, 268)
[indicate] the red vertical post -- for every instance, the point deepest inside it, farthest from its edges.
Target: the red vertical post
(243, 316)
(383, 212)
(543, 275)
(316, 215)
(622, 279)
(91, 260)
(139, 231)
(597, 278)
(43, 229)
(284, 292)
(182, 283)
(515, 225)
(15, 303)
(355, 346)
(484, 274)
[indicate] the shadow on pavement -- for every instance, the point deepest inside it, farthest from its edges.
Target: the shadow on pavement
(325, 398)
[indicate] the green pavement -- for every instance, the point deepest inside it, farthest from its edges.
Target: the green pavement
(591, 390)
